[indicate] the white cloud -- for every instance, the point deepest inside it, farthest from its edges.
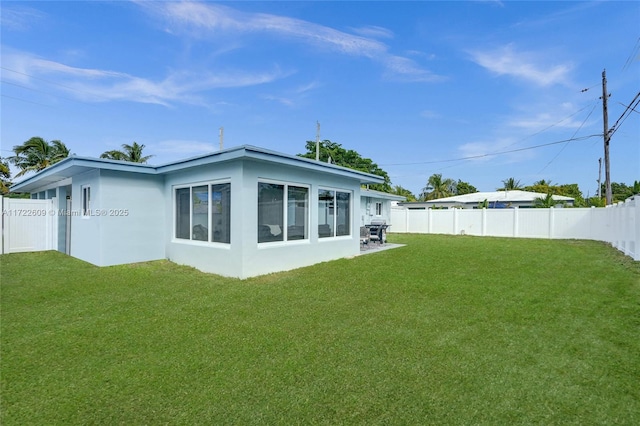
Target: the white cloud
(20, 18)
(279, 99)
(204, 20)
(430, 114)
(103, 85)
(484, 150)
(373, 31)
(543, 120)
(308, 87)
(527, 66)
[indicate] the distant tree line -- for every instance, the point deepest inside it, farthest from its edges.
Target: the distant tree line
(36, 154)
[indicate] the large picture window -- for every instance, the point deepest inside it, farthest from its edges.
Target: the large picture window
(334, 213)
(283, 212)
(203, 213)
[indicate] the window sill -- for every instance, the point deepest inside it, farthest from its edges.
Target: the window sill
(206, 244)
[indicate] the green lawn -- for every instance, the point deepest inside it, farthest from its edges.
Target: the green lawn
(447, 330)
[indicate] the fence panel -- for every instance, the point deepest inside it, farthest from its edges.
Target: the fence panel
(418, 221)
(533, 223)
(27, 225)
(619, 224)
(441, 222)
(500, 222)
(572, 223)
(469, 222)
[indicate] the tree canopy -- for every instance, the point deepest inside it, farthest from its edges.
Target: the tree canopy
(621, 191)
(132, 153)
(336, 154)
(568, 190)
(464, 188)
(439, 187)
(398, 190)
(5, 176)
(510, 184)
(37, 154)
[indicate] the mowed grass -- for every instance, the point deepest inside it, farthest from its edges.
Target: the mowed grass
(447, 330)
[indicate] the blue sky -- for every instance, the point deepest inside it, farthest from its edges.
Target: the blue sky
(419, 87)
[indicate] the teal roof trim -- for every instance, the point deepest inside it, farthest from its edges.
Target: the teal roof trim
(73, 165)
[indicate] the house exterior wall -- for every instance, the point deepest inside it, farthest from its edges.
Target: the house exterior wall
(218, 258)
(221, 197)
(85, 231)
(128, 227)
(368, 210)
(244, 257)
(280, 256)
(132, 230)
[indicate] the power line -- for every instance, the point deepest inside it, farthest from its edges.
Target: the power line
(623, 117)
(24, 100)
(567, 143)
(634, 53)
(550, 126)
(41, 79)
(630, 108)
(42, 91)
(472, 157)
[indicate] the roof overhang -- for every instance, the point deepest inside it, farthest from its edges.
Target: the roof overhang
(382, 195)
(74, 165)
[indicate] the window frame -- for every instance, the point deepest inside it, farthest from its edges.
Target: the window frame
(285, 213)
(210, 232)
(378, 208)
(85, 201)
(335, 208)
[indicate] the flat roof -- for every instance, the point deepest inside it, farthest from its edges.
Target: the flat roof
(74, 165)
(514, 196)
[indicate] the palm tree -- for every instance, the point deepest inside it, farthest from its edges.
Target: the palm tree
(510, 184)
(545, 202)
(132, 153)
(36, 154)
(437, 187)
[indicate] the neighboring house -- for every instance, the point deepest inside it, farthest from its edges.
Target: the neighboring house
(240, 212)
(496, 199)
(375, 206)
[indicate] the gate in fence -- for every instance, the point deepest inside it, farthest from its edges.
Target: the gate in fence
(28, 225)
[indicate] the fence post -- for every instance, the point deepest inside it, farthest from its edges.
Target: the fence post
(484, 221)
(636, 233)
(551, 222)
(406, 220)
(2, 238)
(428, 220)
(455, 221)
(516, 221)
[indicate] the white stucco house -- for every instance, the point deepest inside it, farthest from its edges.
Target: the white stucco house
(239, 212)
(375, 206)
(495, 199)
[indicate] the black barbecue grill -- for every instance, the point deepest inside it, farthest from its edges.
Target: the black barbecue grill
(378, 231)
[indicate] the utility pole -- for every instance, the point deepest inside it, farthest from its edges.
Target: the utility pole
(607, 137)
(221, 135)
(317, 141)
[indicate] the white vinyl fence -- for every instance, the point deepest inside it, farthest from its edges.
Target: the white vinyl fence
(28, 225)
(618, 224)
